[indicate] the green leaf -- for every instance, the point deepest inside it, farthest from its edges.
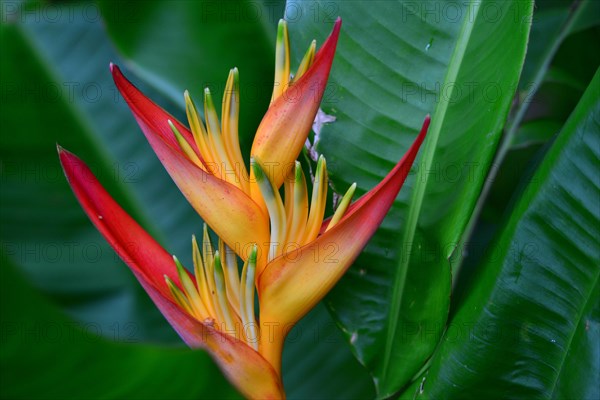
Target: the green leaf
(579, 375)
(535, 133)
(528, 326)
(393, 66)
(555, 24)
(557, 70)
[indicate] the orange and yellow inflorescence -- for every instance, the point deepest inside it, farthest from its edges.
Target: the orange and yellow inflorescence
(264, 214)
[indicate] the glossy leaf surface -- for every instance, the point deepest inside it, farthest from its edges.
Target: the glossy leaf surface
(529, 325)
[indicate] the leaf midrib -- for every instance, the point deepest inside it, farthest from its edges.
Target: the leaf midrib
(419, 192)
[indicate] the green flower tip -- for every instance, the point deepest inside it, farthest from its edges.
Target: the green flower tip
(281, 27)
(236, 78)
(281, 32)
(175, 130)
(178, 264)
(258, 172)
(217, 263)
(252, 257)
(321, 163)
(208, 98)
(189, 102)
(298, 172)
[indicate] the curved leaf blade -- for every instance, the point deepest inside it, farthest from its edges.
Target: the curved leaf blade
(532, 311)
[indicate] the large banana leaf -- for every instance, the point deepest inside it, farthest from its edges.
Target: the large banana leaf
(529, 325)
(396, 62)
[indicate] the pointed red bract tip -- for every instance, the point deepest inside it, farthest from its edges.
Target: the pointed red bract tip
(149, 115)
(328, 47)
(426, 123)
(402, 168)
(111, 66)
(288, 285)
(338, 23)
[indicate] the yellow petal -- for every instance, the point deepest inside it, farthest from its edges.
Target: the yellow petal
(282, 60)
(225, 167)
(198, 130)
(232, 276)
(185, 146)
(288, 193)
(221, 292)
(229, 118)
(247, 300)
(306, 61)
(274, 205)
(179, 296)
(317, 202)
(342, 207)
(189, 289)
(201, 279)
(299, 211)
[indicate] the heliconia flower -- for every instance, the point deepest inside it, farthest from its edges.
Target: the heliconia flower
(284, 242)
(214, 308)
